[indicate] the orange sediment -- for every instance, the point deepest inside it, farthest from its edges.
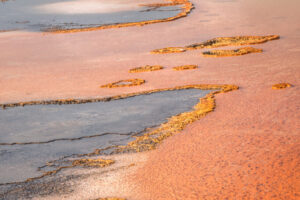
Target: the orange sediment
(248, 148)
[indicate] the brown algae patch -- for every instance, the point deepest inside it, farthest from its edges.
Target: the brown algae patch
(235, 52)
(187, 6)
(221, 42)
(93, 162)
(168, 50)
(124, 83)
(185, 67)
(281, 86)
(111, 198)
(146, 68)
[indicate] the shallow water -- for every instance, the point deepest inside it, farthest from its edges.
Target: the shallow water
(39, 15)
(58, 128)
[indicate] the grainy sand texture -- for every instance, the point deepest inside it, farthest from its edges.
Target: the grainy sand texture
(247, 148)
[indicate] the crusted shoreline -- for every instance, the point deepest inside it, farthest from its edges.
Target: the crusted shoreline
(151, 138)
(103, 99)
(187, 6)
(124, 83)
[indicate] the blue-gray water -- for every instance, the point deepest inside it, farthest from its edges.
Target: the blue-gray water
(43, 123)
(23, 14)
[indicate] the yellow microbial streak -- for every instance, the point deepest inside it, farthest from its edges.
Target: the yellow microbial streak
(93, 162)
(168, 50)
(105, 99)
(185, 67)
(281, 86)
(146, 68)
(124, 83)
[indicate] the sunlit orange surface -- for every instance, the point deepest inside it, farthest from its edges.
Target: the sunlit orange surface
(248, 148)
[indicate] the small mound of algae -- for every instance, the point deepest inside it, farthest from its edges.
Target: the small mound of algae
(235, 52)
(280, 86)
(124, 83)
(232, 41)
(185, 67)
(146, 68)
(168, 50)
(92, 162)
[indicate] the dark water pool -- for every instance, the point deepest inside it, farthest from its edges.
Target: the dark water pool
(57, 129)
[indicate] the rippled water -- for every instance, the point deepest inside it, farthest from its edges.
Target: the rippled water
(64, 130)
(39, 15)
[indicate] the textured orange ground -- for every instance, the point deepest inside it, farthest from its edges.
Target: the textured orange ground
(228, 155)
(248, 148)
